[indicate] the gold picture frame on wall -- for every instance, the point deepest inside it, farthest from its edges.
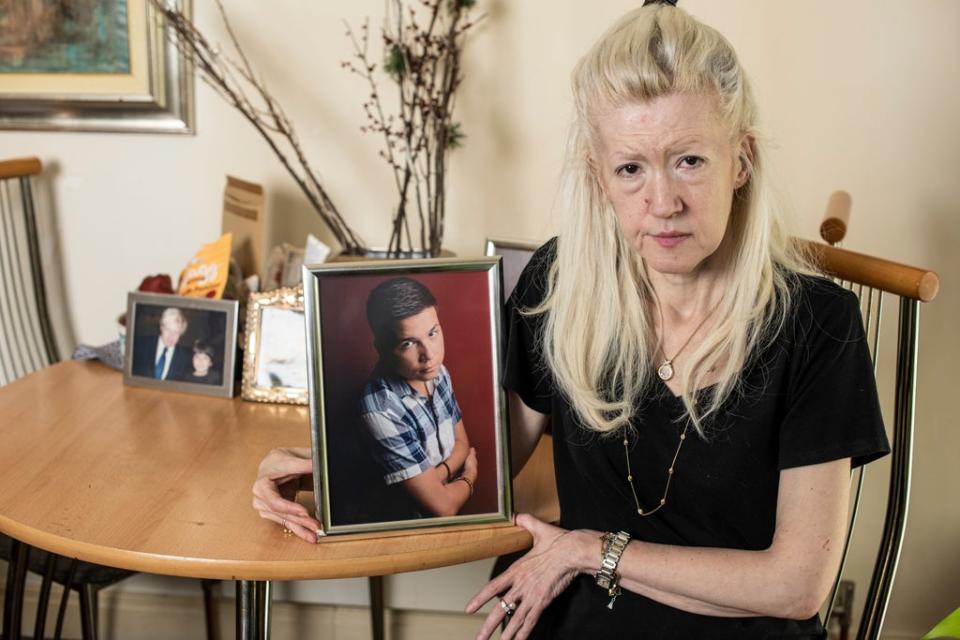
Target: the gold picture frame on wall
(275, 358)
(135, 80)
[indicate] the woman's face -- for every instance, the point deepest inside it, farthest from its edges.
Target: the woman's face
(669, 168)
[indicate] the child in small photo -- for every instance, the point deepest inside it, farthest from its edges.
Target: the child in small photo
(203, 370)
(408, 408)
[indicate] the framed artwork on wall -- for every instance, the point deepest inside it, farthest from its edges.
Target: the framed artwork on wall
(275, 357)
(180, 344)
(92, 65)
(408, 418)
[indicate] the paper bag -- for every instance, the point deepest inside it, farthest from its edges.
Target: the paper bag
(243, 216)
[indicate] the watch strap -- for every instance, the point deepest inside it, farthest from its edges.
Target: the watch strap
(611, 549)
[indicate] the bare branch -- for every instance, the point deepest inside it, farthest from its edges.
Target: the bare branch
(232, 80)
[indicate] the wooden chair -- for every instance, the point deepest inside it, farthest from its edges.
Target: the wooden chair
(836, 218)
(27, 343)
(839, 610)
(877, 281)
(912, 286)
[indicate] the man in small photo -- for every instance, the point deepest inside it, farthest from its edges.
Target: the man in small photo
(409, 412)
(160, 356)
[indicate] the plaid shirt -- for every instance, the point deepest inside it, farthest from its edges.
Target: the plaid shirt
(410, 432)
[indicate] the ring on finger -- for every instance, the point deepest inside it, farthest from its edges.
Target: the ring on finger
(508, 607)
(286, 528)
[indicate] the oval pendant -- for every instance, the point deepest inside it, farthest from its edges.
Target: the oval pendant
(665, 371)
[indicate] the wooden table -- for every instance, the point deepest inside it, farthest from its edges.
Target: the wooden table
(160, 482)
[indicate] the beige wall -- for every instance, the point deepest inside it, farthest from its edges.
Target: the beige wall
(859, 95)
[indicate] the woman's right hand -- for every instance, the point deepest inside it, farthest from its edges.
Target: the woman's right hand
(278, 478)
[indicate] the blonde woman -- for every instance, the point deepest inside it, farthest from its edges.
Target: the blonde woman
(707, 393)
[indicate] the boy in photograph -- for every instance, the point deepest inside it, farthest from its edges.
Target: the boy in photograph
(408, 408)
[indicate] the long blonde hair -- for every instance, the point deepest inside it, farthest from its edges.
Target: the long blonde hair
(599, 337)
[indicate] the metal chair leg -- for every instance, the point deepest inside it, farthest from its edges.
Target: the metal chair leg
(88, 611)
(45, 588)
(375, 585)
(264, 597)
(61, 612)
(210, 609)
(13, 597)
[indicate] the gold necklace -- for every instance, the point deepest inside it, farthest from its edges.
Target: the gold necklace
(666, 487)
(665, 370)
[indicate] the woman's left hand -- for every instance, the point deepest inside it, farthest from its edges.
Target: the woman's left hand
(533, 581)
(274, 491)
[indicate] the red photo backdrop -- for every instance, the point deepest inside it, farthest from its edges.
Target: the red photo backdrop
(349, 358)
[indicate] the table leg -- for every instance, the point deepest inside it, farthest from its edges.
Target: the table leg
(375, 586)
(253, 610)
(264, 600)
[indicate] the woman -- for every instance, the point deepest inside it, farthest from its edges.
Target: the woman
(712, 408)
(707, 395)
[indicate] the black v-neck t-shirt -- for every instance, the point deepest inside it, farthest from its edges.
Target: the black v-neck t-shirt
(810, 397)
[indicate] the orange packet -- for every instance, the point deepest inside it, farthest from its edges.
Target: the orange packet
(205, 276)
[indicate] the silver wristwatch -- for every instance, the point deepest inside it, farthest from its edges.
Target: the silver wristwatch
(610, 552)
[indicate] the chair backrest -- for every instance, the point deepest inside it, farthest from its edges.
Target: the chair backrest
(26, 337)
(875, 280)
(836, 218)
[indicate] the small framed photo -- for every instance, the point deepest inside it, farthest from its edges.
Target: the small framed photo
(180, 343)
(515, 254)
(275, 358)
(407, 413)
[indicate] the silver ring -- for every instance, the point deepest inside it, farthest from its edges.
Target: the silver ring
(508, 607)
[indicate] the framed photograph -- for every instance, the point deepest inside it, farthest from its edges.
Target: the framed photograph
(180, 343)
(515, 255)
(97, 65)
(275, 358)
(407, 413)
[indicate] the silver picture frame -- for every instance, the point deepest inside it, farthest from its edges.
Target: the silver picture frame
(515, 254)
(167, 106)
(335, 298)
(213, 321)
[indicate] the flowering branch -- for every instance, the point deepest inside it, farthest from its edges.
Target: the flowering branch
(422, 57)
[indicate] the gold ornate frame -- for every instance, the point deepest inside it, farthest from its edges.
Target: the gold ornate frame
(285, 298)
